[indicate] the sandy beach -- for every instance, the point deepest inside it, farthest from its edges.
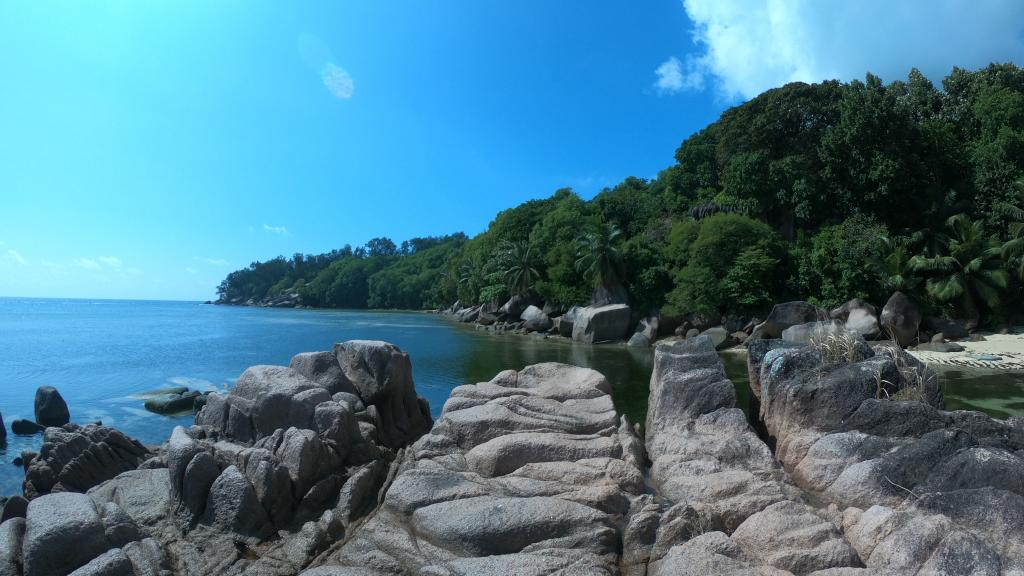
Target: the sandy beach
(995, 352)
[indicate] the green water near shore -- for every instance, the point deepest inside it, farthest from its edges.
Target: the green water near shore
(999, 394)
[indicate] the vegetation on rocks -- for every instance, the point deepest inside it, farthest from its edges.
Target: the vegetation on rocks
(819, 192)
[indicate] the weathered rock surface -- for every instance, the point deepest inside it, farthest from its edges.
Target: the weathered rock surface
(530, 473)
(75, 458)
(901, 319)
(859, 317)
(26, 427)
(271, 475)
(566, 322)
(785, 315)
(805, 333)
(535, 320)
(50, 408)
(382, 375)
(68, 533)
(918, 490)
(719, 478)
(601, 324)
(516, 305)
(317, 469)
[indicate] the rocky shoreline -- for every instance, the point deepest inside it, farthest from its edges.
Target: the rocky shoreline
(333, 467)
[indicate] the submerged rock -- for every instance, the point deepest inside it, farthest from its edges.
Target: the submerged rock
(3, 430)
(173, 403)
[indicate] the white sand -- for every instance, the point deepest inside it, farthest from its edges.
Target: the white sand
(1008, 347)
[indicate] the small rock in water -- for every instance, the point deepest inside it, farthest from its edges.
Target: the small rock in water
(173, 404)
(18, 461)
(51, 409)
(26, 427)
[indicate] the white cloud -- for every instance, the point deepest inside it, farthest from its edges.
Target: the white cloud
(748, 46)
(216, 261)
(87, 263)
(337, 81)
(672, 77)
(275, 229)
(191, 270)
(12, 255)
(105, 263)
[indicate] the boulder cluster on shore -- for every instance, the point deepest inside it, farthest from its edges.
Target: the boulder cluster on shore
(333, 467)
(900, 320)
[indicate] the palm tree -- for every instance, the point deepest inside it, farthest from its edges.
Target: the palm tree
(967, 269)
(894, 267)
(597, 258)
(1014, 247)
(519, 267)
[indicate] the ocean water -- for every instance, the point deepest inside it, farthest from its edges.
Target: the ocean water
(101, 354)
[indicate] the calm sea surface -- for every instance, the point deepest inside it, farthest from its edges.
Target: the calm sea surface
(102, 354)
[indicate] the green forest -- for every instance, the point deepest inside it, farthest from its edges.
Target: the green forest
(820, 192)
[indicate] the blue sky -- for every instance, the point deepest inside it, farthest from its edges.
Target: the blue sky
(147, 149)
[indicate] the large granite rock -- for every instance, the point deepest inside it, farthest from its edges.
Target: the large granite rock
(601, 324)
(50, 407)
(901, 319)
(382, 375)
(75, 458)
(323, 369)
(917, 490)
(858, 316)
(68, 533)
(566, 322)
(646, 332)
(785, 315)
(717, 477)
(273, 472)
(535, 320)
(530, 473)
(516, 305)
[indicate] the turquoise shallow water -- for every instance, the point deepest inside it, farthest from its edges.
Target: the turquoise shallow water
(100, 354)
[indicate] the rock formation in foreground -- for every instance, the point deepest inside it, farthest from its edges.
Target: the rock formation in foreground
(331, 467)
(530, 473)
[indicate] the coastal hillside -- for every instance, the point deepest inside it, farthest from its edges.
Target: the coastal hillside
(820, 192)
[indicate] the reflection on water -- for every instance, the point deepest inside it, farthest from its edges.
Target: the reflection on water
(627, 369)
(1000, 394)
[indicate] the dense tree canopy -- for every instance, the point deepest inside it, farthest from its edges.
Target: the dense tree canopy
(817, 191)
